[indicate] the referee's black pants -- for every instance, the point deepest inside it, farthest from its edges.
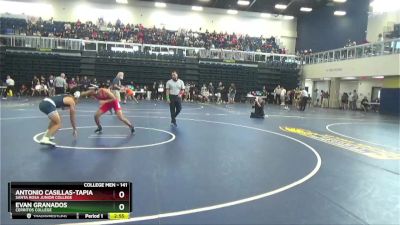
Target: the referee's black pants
(303, 103)
(60, 90)
(175, 107)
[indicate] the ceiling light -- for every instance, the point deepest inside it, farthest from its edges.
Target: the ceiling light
(265, 15)
(378, 77)
(241, 2)
(232, 11)
(340, 1)
(280, 6)
(204, 0)
(288, 17)
(197, 8)
(122, 1)
(339, 13)
(160, 4)
(305, 9)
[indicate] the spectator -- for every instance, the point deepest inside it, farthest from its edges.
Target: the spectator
(23, 91)
(219, 91)
(10, 87)
(205, 93)
(345, 101)
(325, 99)
(354, 100)
(85, 83)
(36, 87)
(303, 99)
(232, 94)
(282, 96)
(72, 84)
(50, 85)
(43, 85)
(154, 91)
(277, 94)
(211, 91)
(364, 104)
(160, 90)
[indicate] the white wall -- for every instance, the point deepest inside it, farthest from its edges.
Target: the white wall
(321, 85)
(387, 65)
(173, 17)
(380, 22)
(310, 85)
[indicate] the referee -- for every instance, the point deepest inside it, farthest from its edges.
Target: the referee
(174, 91)
(60, 84)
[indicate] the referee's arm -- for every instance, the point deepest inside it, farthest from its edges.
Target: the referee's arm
(167, 92)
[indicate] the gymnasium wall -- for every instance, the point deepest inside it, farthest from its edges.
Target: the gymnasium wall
(379, 23)
(173, 17)
(320, 30)
(390, 96)
(387, 65)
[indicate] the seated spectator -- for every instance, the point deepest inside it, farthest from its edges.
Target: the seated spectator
(375, 106)
(23, 91)
(364, 104)
(72, 84)
(205, 93)
(258, 108)
(36, 87)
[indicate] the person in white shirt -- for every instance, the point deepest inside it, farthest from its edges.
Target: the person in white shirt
(277, 93)
(10, 86)
(175, 88)
(303, 99)
(283, 95)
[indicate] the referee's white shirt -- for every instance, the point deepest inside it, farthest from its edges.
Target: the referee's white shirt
(175, 86)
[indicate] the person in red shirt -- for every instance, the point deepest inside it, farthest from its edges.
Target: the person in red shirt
(107, 102)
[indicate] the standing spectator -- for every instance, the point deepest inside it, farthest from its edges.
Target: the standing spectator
(315, 97)
(277, 94)
(192, 91)
(60, 84)
(10, 87)
(50, 84)
(211, 91)
(282, 96)
(354, 100)
(154, 91)
(220, 89)
(325, 100)
(187, 92)
(43, 84)
(322, 98)
(303, 99)
(345, 101)
(160, 91)
(231, 94)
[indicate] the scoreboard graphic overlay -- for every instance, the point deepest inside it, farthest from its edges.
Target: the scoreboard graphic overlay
(70, 200)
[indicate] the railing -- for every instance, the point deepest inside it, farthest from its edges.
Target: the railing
(354, 52)
(97, 46)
